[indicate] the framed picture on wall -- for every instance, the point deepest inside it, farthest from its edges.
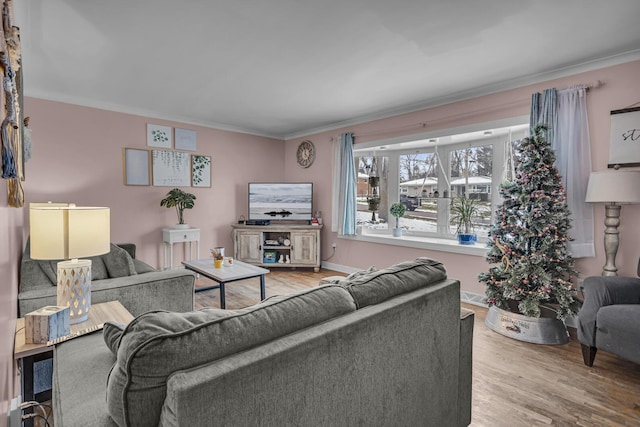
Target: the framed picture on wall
(159, 136)
(200, 171)
(136, 166)
(170, 168)
(185, 139)
(624, 148)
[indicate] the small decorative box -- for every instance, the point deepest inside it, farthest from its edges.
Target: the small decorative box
(46, 324)
(269, 257)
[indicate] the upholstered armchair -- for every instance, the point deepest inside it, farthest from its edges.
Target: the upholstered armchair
(609, 319)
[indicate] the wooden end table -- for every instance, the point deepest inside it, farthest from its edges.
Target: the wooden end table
(29, 354)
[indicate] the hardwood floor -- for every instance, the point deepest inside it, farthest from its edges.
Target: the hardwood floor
(514, 383)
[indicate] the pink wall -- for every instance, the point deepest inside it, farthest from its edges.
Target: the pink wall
(621, 89)
(10, 243)
(77, 157)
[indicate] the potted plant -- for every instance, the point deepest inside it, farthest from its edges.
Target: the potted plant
(218, 256)
(180, 200)
(397, 210)
(462, 212)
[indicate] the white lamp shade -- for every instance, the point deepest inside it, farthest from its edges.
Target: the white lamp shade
(614, 187)
(66, 232)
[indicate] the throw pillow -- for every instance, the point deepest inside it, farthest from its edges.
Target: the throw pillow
(112, 333)
(377, 286)
(362, 272)
(98, 269)
(118, 262)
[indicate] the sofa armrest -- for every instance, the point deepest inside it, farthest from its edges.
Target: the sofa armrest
(600, 291)
(465, 375)
(171, 290)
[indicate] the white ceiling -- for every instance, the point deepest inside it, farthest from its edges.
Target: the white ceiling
(285, 68)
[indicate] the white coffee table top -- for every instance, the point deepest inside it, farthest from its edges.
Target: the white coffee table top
(239, 270)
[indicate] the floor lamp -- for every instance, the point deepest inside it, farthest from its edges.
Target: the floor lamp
(613, 188)
(66, 233)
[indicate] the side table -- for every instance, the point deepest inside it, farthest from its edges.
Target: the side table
(180, 235)
(29, 354)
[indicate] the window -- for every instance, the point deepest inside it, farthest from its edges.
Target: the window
(426, 173)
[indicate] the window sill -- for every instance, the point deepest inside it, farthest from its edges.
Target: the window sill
(420, 242)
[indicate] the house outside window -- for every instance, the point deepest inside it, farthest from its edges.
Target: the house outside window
(425, 174)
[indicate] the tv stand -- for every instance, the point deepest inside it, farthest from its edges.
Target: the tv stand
(278, 245)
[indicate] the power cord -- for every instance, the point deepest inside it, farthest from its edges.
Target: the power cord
(332, 254)
(32, 404)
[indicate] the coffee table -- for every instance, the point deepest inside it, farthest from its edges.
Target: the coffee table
(226, 274)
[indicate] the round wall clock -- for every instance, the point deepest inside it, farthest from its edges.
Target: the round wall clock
(306, 154)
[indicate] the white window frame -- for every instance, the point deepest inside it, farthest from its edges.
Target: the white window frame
(392, 148)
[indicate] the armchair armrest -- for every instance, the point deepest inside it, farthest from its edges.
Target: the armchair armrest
(601, 291)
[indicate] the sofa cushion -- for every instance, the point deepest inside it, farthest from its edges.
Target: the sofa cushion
(156, 344)
(118, 262)
(376, 286)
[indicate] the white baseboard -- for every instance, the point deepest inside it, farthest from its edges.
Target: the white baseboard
(339, 267)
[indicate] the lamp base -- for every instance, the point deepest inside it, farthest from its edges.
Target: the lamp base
(74, 288)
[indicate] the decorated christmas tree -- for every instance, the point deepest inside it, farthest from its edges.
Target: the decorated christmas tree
(528, 239)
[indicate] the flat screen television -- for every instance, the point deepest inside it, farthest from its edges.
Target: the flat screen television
(281, 201)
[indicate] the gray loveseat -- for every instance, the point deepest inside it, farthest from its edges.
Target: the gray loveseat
(386, 348)
(610, 317)
(117, 275)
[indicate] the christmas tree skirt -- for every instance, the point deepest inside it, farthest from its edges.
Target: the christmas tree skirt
(537, 330)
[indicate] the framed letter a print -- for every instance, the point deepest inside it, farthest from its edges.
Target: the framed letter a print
(625, 138)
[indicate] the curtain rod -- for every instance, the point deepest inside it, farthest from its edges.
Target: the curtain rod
(424, 124)
(587, 86)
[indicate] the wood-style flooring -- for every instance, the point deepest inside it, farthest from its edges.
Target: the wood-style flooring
(514, 383)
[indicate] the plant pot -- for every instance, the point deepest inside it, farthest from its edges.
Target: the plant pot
(397, 232)
(181, 226)
(537, 330)
(467, 239)
(217, 263)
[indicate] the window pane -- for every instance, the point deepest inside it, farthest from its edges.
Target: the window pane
(372, 192)
(418, 182)
(471, 170)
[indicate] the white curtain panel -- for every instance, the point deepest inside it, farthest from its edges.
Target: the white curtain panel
(573, 160)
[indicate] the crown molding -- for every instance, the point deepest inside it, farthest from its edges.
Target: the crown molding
(609, 61)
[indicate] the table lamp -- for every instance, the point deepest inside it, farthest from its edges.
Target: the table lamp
(60, 232)
(613, 188)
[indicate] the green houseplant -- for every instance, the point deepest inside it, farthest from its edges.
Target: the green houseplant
(397, 210)
(180, 200)
(462, 212)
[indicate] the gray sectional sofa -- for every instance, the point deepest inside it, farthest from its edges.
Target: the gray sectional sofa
(117, 275)
(383, 348)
